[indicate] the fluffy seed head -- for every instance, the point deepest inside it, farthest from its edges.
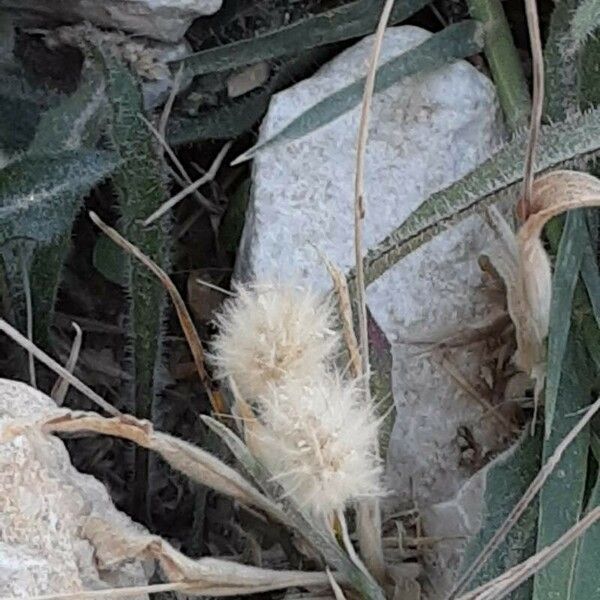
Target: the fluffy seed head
(269, 333)
(319, 441)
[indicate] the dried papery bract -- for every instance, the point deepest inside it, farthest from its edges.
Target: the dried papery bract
(270, 333)
(525, 266)
(319, 441)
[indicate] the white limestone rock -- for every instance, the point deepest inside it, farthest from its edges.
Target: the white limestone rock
(165, 20)
(45, 504)
(426, 132)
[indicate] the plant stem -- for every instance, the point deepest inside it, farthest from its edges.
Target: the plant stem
(504, 62)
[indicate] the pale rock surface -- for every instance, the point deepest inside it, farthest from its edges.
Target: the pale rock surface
(426, 132)
(44, 505)
(165, 20)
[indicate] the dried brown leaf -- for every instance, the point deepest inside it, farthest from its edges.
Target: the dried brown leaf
(205, 576)
(194, 462)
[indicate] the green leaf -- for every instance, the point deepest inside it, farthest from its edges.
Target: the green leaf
(586, 582)
(566, 273)
(141, 189)
(17, 131)
(506, 480)
(450, 44)
(561, 497)
(562, 145)
(39, 196)
(504, 61)
(110, 261)
(585, 20)
(560, 68)
(75, 122)
(236, 117)
(351, 20)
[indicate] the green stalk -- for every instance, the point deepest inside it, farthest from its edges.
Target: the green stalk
(504, 62)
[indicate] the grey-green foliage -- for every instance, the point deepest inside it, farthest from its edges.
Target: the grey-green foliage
(505, 481)
(348, 21)
(454, 42)
(504, 61)
(584, 22)
(566, 273)
(40, 194)
(561, 497)
(47, 184)
(234, 118)
(561, 145)
(140, 187)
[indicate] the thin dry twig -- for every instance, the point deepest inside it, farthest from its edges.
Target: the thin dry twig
(61, 387)
(466, 386)
(335, 586)
(340, 286)
(20, 339)
(537, 104)
(182, 178)
(368, 512)
(208, 176)
(509, 580)
(166, 113)
(191, 335)
(524, 501)
(110, 593)
(29, 315)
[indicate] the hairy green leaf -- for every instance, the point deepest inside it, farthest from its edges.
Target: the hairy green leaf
(560, 69)
(141, 189)
(506, 480)
(348, 21)
(562, 145)
(75, 122)
(584, 22)
(39, 196)
(450, 44)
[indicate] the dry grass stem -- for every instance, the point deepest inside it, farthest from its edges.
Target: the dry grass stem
(191, 335)
(29, 316)
(340, 286)
(166, 113)
(61, 387)
(368, 511)
(182, 178)
(337, 590)
(197, 464)
(109, 593)
(537, 103)
(20, 339)
(512, 578)
(208, 176)
(524, 501)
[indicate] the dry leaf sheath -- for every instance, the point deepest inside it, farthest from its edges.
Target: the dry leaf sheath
(525, 267)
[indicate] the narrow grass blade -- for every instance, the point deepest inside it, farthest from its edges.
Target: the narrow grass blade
(506, 480)
(450, 44)
(566, 273)
(562, 144)
(348, 21)
(561, 497)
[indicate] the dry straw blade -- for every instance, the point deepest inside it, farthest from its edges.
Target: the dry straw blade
(525, 266)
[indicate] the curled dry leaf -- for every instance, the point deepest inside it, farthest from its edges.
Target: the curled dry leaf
(525, 266)
(206, 576)
(197, 464)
